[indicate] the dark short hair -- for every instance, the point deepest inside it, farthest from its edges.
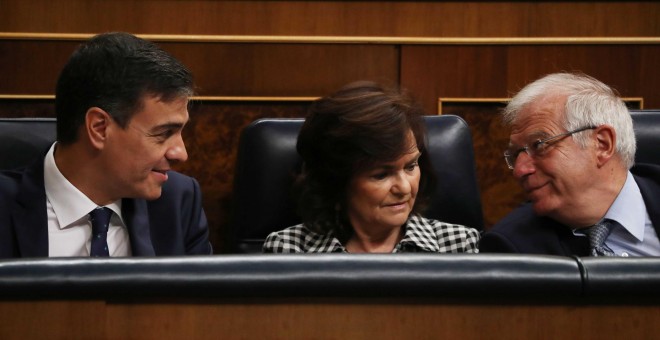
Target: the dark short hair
(349, 131)
(115, 71)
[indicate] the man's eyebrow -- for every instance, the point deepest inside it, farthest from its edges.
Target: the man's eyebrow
(531, 138)
(540, 134)
(168, 126)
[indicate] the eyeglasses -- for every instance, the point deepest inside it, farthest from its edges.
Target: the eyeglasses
(538, 147)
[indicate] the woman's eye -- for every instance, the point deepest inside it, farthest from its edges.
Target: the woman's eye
(379, 175)
(411, 166)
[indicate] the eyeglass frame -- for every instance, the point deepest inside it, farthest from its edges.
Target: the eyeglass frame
(510, 159)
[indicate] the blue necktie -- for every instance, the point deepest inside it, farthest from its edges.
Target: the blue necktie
(597, 236)
(100, 218)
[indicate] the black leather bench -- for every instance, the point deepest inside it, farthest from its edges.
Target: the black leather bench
(471, 278)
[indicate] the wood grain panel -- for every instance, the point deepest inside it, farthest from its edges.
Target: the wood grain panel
(633, 70)
(322, 320)
(343, 18)
(385, 320)
(32, 67)
(53, 320)
(434, 72)
(17, 108)
(284, 69)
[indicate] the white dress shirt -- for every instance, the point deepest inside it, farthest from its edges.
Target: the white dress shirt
(69, 228)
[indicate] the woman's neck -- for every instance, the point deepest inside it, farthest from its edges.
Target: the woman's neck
(383, 241)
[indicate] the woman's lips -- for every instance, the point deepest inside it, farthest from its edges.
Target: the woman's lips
(398, 205)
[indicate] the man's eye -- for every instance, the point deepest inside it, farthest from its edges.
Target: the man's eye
(538, 146)
(164, 135)
(379, 175)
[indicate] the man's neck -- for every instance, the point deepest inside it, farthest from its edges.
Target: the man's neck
(76, 163)
(597, 199)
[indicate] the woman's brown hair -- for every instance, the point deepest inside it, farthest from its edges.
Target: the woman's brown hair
(351, 130)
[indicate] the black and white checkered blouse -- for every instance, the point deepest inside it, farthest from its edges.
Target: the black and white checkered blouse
(421, 235)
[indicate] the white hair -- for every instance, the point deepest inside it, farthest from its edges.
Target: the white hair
(589, 103)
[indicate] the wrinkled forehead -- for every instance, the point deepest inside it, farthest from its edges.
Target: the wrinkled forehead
(545, 108)
(545, 115)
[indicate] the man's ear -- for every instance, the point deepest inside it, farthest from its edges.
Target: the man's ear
(97, 122)
(605, 143)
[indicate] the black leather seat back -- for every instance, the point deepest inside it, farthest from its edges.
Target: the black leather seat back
(647, 131)
(266, 165)
(267, 162)
(24, 139)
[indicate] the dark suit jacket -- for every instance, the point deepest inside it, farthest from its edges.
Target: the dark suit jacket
(173, 224)
(522, 231)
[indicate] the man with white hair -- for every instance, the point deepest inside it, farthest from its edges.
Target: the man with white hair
(572, 149)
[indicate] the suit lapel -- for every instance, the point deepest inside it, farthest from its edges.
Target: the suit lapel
(572, 244)
(29, 213)
(568, 242)
(136, 217)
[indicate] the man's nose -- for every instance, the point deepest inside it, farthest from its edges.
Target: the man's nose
(523, 165)
(178, 151)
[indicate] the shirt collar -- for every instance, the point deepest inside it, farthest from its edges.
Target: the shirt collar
(629, 209)
(69, 203)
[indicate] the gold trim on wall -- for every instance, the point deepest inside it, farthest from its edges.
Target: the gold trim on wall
(470, 100)
(193, 38)
(194, 98)
(253, 99)
(639, 100)
(27, 96)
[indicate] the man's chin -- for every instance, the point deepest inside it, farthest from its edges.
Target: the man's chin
(152, 194)
(541, 208)
(155, 196)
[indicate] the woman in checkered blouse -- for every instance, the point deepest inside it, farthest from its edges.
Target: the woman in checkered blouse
(365, 179)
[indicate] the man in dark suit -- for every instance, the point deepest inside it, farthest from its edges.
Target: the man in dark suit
(572, 149)
(106, 187)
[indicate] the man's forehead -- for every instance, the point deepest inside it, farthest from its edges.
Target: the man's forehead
(546, 108)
